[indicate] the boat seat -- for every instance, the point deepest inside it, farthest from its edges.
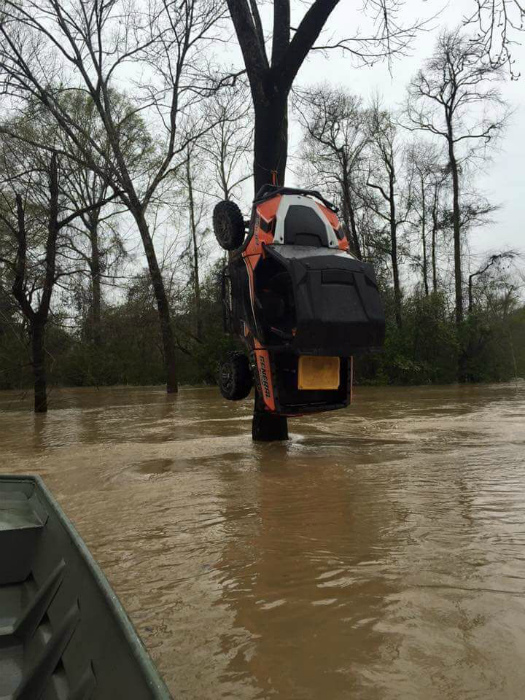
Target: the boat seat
(20, 525)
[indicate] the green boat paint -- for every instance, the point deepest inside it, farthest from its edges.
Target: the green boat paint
(64, 634)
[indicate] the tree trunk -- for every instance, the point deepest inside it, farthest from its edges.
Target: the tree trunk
(464, 348)
(267, 427)
(166, 330)
(96, 293)
(457, 232)
(270, 138)
(349, 213)
(395, 262)
(270, 154)
(39, 366)
(195, 246)
(424, 238)
(471, 293)
(434, 242)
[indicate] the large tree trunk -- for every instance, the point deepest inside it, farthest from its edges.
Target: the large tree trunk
(166, 330)
(270, 138)
(267, 427)
(37, 330)
(270, 153)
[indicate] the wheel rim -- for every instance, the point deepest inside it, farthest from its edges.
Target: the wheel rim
(222, 229)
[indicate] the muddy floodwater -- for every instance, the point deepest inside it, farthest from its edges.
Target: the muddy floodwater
(379, 554)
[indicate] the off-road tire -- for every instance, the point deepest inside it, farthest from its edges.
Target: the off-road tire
(228, 225)
(235, 377)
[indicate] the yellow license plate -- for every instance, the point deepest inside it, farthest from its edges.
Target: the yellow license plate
(318, 372)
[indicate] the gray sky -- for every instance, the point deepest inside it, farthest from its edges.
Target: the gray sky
(504, 183)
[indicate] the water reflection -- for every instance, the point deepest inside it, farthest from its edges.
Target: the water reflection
(378, 554)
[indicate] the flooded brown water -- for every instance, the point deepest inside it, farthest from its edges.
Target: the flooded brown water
(379, 554)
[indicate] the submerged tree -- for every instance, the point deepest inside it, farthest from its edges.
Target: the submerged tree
(34, 215)
(271, 78)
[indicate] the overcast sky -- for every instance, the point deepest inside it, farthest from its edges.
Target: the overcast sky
(504, 182)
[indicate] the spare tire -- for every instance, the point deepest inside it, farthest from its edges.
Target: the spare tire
(228, 225)
(235, 377)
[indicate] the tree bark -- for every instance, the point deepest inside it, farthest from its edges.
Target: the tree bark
(166, 329)
(39, 366)
(270, 138)
(267, 427)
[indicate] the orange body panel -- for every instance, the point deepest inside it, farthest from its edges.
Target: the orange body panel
(268, 209)
(265, 211)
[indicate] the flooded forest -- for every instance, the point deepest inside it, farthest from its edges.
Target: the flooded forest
(373, 552)
(109, 271)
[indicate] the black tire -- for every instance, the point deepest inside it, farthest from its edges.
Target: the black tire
(235, 377)
(228, 225)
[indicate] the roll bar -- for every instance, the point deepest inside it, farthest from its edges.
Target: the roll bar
(268, 191)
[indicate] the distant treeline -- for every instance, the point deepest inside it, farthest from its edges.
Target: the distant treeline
(424, 350)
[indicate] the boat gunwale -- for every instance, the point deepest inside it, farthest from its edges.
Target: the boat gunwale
(117, 611)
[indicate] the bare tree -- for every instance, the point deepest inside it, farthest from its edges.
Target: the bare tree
(230, 140)
(96, 243)
(496, 260)
(47, 48)
(34, 214)
(95, 239)
(337, 139)
(456, 97)
(196, 213)
(390, 200)
(271, 76)
(496, 23)
(428, 173)
(437, 197)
